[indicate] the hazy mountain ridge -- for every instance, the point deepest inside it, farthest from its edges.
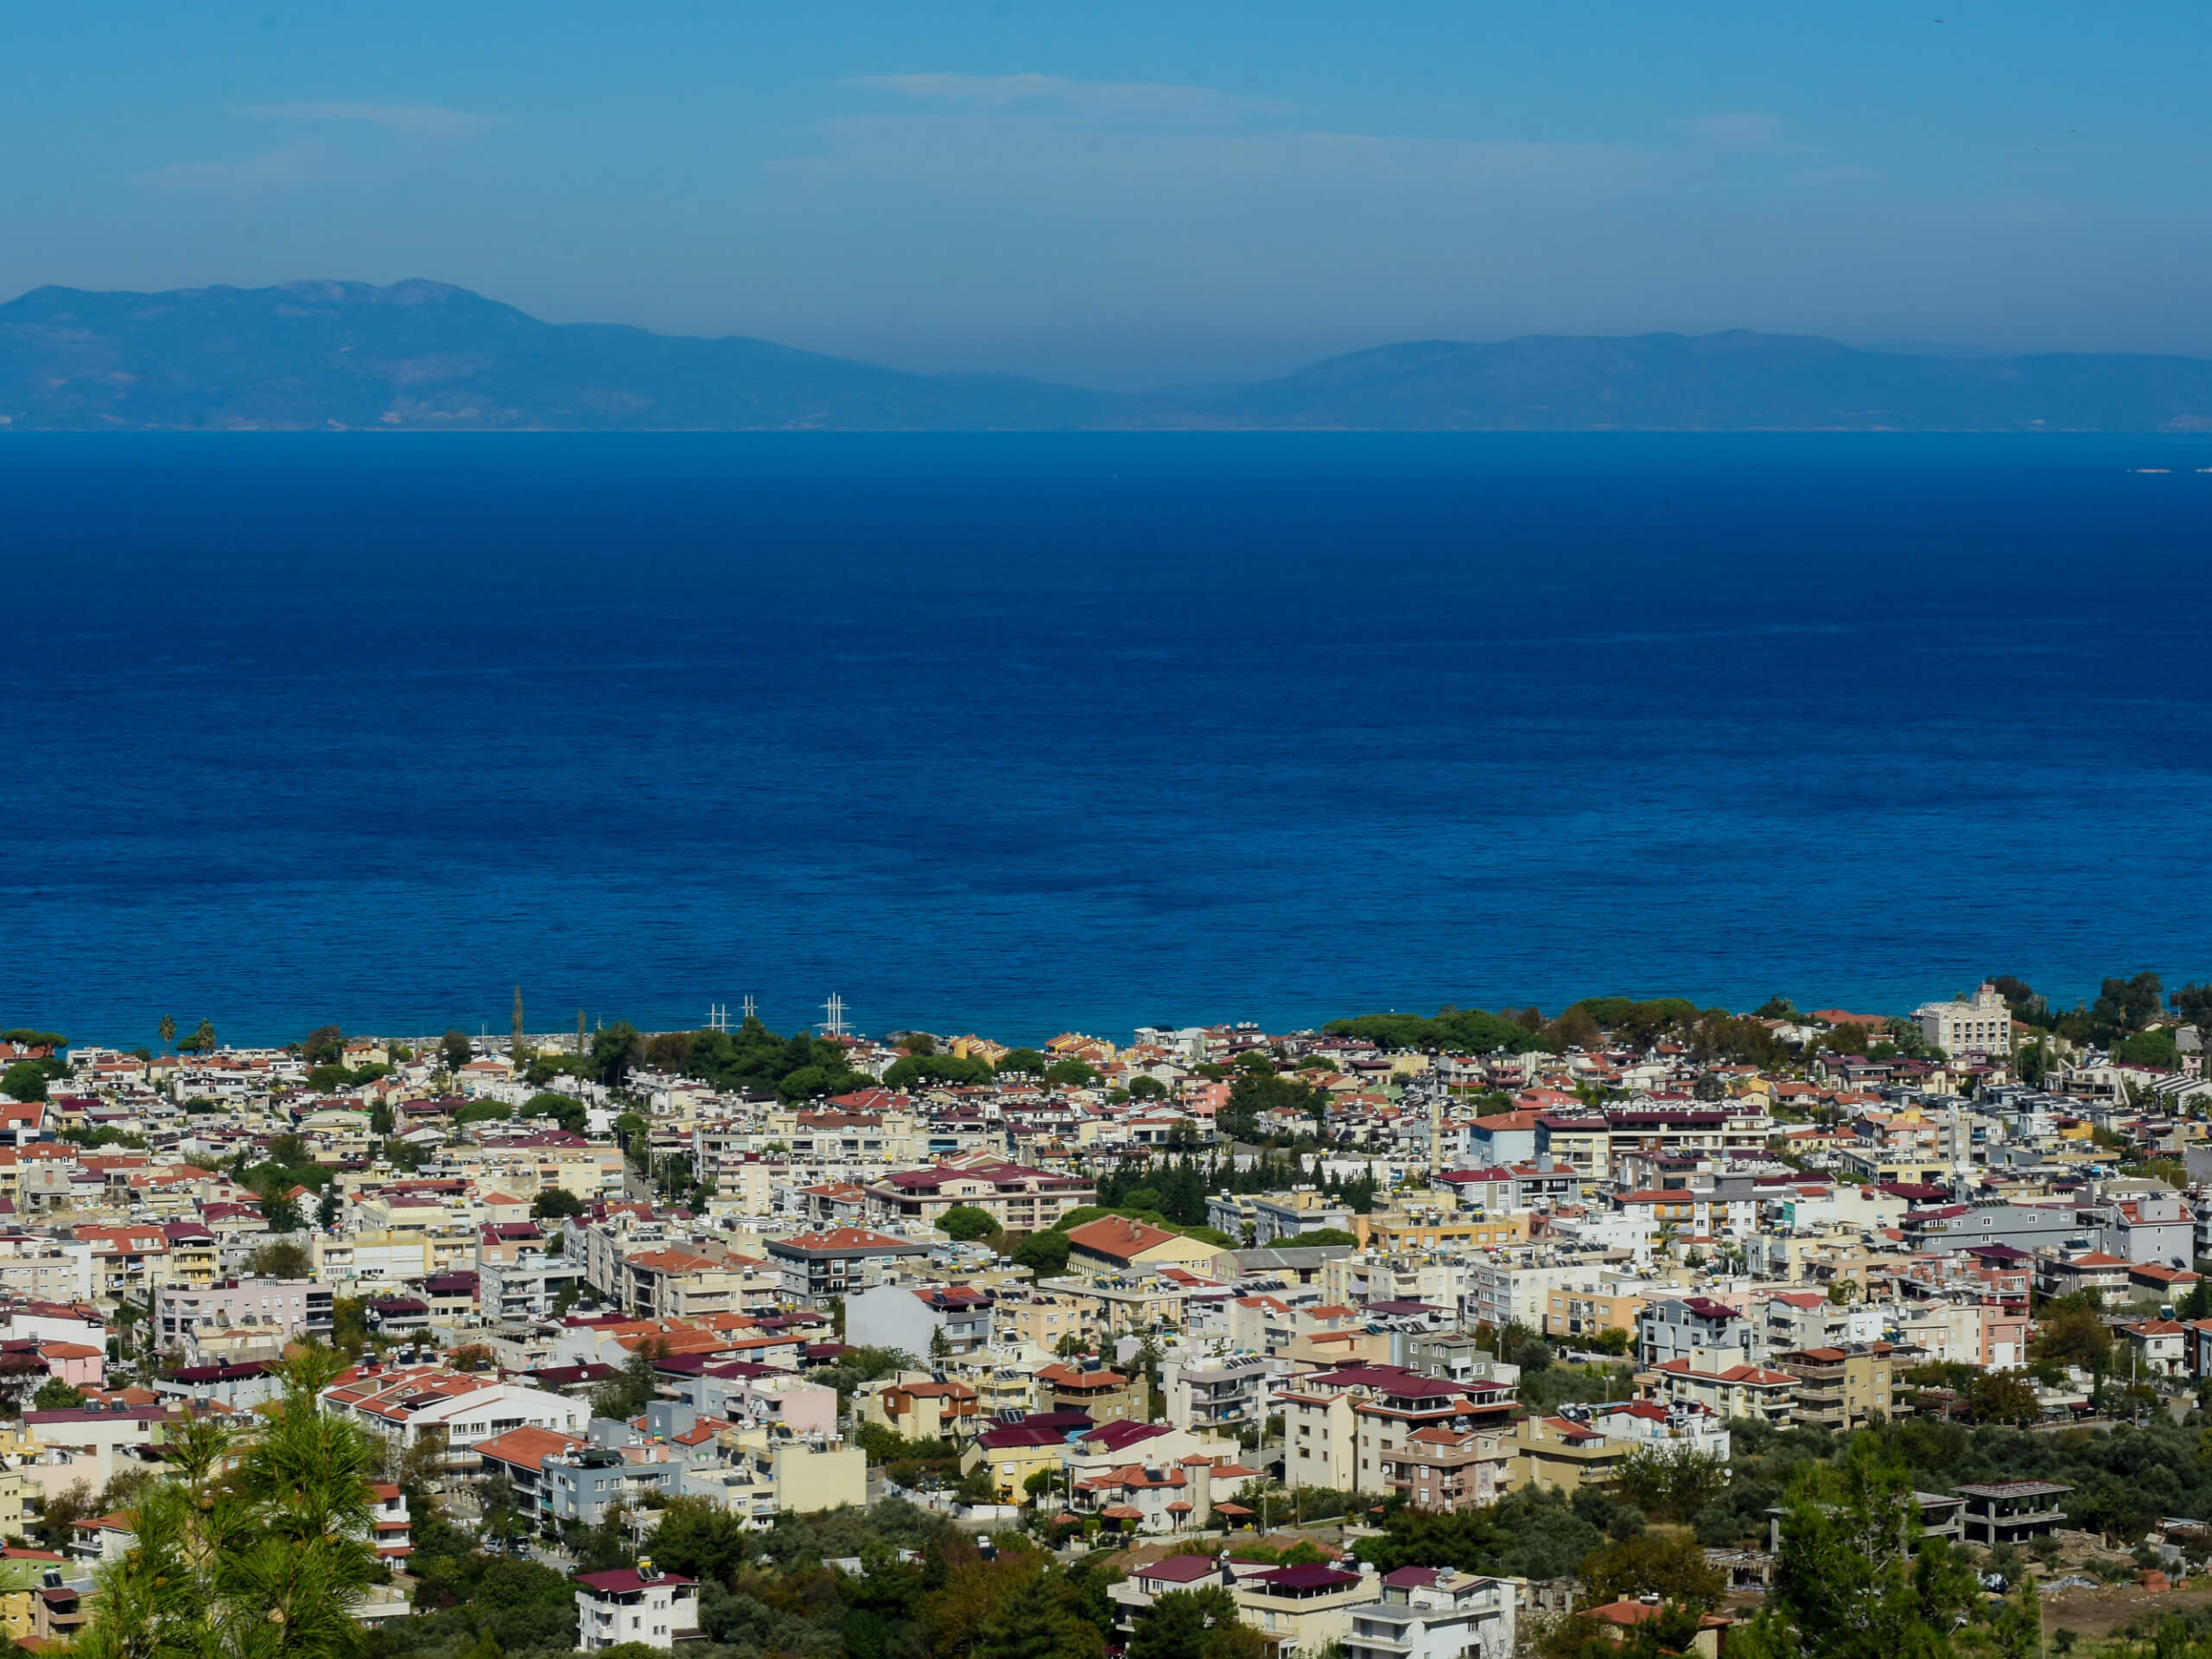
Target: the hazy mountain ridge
(421, 355)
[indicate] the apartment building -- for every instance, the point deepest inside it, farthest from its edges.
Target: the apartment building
(771, 1471)
(454, 1410)
(1302, 1609)
(1340, 1426)
(1434, 1612)
(1042, 1319)
(819, 1268)
(1673, 1327)
(1089, 1386)
(640, 1603)
(1726, 1391)
(1982, 1024)
(1840, 1388)
(1281, 1217)
(1218, 1393)
(676, 1283)
(919, 1406)
(525, 1288)
(943, 1320)
(1515, 1286)
(1012, 1195)
(1576, 1314)
(280, 1308)
(1444, 1469)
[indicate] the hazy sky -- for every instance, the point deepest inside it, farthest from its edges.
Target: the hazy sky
(1136, 193)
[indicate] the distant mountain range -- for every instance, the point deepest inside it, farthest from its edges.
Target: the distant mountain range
(425, 356)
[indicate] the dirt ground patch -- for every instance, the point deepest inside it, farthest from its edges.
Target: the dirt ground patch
(2094, 1615)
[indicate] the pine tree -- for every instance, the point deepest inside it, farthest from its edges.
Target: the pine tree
(1034, 1623)
(267, 1563)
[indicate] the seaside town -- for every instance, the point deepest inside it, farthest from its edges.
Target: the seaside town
(1406, 1337)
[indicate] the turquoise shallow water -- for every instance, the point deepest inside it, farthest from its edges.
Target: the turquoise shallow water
(1016, 733)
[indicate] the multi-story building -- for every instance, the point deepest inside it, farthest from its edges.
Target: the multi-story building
(1584, 1444)
(1089, 1385)
(525, 1288)
(1218, 1392)
(640, 1603)
(771, 1472)
(940, 1320)
(1445, 1469)
(1727, 1390)
(2032, 1227)
(1045, 1318)
(1301, 1610)
(1840, 1388)
(1434, 1612)
(819, 1267)
(128, 1262)
(2012, 1512)
(1285, 1216)
(454, 1411)
(1579, 1314)
(1675, 1328)
(684, 1284)
(588, 1483)
(1981, 1025)
(1339, 1426)
(920, 1408)
(1012, 1195)
(1515, 1286)
(281, 1307)
(393, 1527)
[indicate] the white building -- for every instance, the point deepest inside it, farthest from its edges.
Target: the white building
(1984, 1025)
(525, 1288)
(1219, 1392)
(910, 1317)
(639, 1604)
(1434, 1612)
(456, 1410)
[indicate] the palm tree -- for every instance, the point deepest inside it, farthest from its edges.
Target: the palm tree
(168, 1029)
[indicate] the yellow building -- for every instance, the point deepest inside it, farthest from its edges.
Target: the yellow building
(1120, 1245)
(1583, 1314)
(1840, 1388)
(1043, 1318)
(21, 1571)
(1395, 1233)
(1560, 1456)
(914, 1405)
(1013, 1454)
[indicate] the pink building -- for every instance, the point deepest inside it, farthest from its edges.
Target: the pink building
(77, 1364)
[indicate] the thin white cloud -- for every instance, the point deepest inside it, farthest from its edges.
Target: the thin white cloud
(267, 170)
(1115, 100)
(410, 120)
(1744, 131)
(969, 150)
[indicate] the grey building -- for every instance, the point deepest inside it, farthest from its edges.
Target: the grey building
(585, 1484)
(1682, 1325)
(2023, 1226)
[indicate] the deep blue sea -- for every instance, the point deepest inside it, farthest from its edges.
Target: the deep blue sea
(1017, 733)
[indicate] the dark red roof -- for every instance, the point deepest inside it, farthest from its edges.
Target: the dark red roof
(623, 1580)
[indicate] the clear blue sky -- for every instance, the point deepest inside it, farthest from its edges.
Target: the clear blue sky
(1140, 194)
